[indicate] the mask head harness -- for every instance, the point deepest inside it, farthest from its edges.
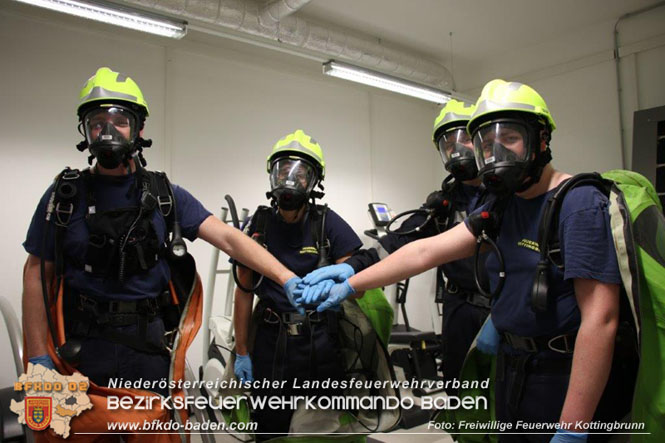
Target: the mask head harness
(457, 154)
(292, 182)
(296, 166)
(112, 112)
(112, 134)
(453, 141)
(508, 151)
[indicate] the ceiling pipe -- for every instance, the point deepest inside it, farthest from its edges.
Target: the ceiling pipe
(275, 11)
(331, 42)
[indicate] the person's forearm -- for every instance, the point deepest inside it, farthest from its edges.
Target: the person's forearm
(35, 326)
(416, 257)
(592, 361)
(242, 312)
(243, 249)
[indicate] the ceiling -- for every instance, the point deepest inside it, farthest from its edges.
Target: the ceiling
(480, 28)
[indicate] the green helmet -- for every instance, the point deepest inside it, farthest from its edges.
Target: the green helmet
(499, 96)
(454, 113)
(300, 144)
(108, 86)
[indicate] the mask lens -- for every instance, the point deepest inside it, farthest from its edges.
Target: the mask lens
(106, 121)
(292, 173)
(455, 144)
(501, 142)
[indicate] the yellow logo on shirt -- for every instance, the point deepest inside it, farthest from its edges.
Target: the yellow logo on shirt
(309, 250)
(529, 244)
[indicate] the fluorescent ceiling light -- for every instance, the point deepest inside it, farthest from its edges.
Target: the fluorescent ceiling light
(384, 81)
(116, 15)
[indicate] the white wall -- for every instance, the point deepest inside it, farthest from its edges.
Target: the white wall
(576, 74)
(216, 110)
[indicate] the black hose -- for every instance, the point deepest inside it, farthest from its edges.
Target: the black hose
(428, 212)
(484, 238)
(234, 266)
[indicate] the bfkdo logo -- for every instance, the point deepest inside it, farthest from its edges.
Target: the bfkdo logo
(38, 412)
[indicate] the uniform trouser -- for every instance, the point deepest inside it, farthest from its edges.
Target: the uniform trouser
(460, 323)
(533, 390)
(310, 356)
(101, 360)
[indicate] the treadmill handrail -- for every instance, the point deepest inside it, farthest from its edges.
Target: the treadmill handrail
(14, 331)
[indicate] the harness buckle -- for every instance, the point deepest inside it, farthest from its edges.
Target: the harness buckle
(71, 174)
(527, 344)
(63, 213)
(271, 317)
(88, 304)
(114, 307)
(294, 328)
(168, 338)
(568, 346)
(165, 202)
(554, 255)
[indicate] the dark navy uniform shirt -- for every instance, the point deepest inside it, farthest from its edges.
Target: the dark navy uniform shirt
(292, 244)
(587, 251)
(111, 192)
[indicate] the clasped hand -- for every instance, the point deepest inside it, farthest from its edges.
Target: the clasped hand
(325, 287)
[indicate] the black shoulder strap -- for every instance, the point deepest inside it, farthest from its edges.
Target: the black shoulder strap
(162, 192)
(259, 222)
(548, 227)
(61, 207)
(549, 244)
(317, 216)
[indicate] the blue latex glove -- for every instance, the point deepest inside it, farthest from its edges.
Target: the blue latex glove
(290, 288)
(339, 273)
(243, 368)
(316, 293)
(564, 436)
(336, 296)
(44, 360)
(488, 339)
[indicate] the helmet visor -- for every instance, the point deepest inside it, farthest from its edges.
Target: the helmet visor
(455, 144)
(293, 173)
(108, 122)
(501, 142)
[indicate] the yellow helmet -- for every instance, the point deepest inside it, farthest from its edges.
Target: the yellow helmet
(108, 86)
(453, 113)
(300, 144)
(499, 96)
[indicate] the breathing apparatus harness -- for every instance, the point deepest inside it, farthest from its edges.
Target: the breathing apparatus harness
(130, 252)
(548, 235)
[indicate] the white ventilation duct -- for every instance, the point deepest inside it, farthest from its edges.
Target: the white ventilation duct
(275, 21)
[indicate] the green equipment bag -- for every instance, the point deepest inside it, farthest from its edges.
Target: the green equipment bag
(378, 311)
(638, 230)
(638, 227)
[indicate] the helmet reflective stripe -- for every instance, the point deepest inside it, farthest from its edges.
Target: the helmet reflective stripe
(489, 106)
(299, 143)
(98, 93)
(108, 85)
(454, 113)
(500, 96)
